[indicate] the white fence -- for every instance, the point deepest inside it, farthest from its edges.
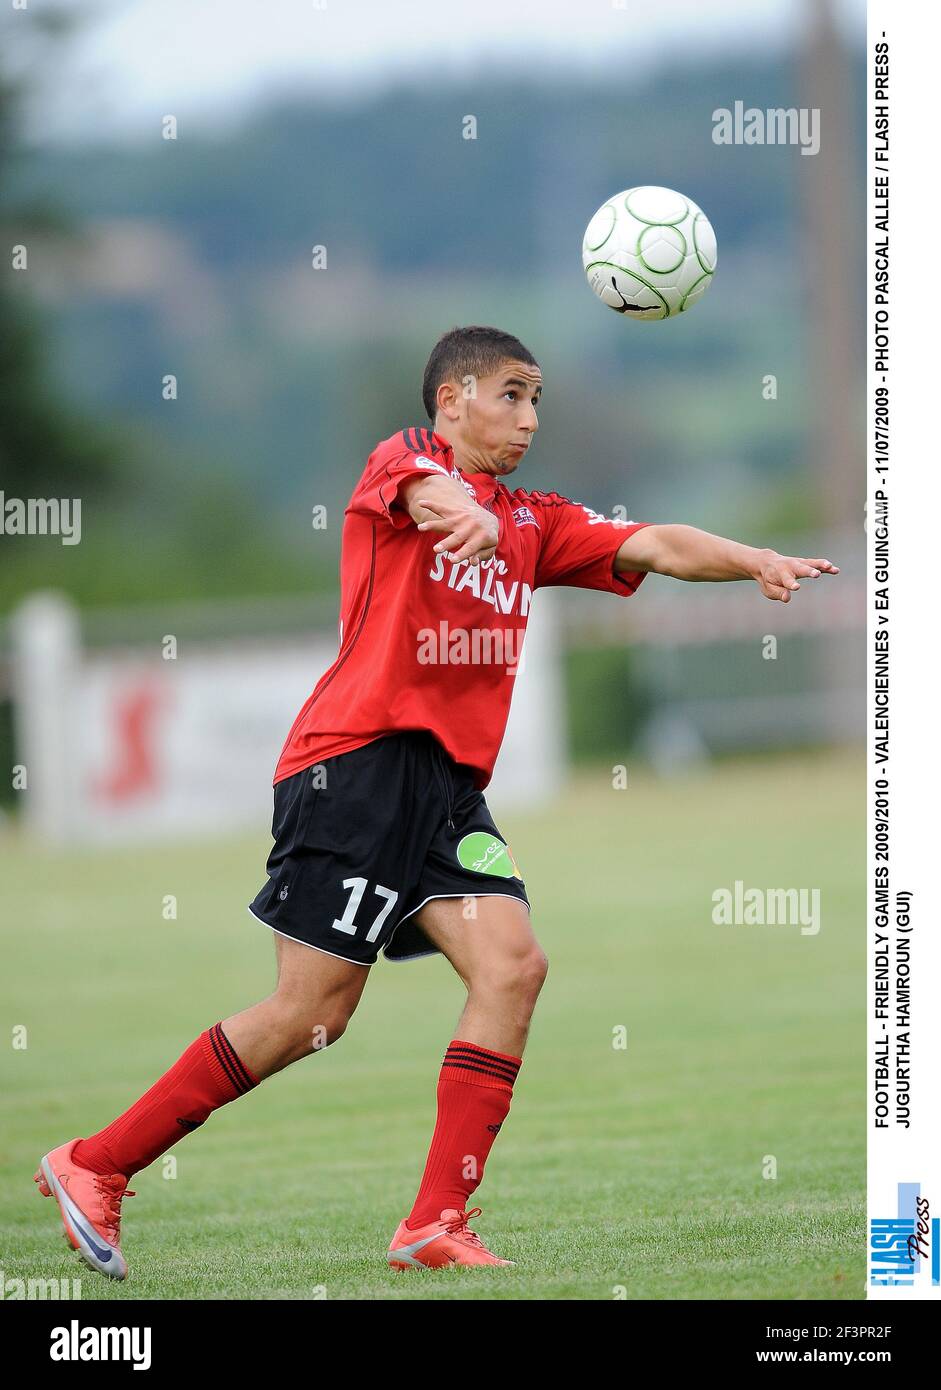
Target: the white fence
(120, 743)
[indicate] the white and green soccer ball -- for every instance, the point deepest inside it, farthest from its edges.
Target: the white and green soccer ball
(649, 253)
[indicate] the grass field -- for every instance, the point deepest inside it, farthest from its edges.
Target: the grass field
(636, 1169)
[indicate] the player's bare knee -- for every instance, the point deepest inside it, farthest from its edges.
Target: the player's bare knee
(307, 1027)
(533, 972)
(312, 1034)
(517, 978)
(328, 1030)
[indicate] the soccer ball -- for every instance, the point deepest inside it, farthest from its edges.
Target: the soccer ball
(649, 253)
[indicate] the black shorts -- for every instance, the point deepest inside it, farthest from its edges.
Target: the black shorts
(365, 839)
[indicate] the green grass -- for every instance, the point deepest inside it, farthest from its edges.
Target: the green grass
(638, 1168)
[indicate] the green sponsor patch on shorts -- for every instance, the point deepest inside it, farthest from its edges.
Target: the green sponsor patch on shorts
(486, 854)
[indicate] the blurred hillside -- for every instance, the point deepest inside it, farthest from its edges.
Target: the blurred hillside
(193, 257)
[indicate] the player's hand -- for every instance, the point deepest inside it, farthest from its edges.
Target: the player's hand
(470, 532)
(778, 576)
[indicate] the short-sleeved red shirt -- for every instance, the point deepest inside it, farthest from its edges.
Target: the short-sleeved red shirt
(429, 644)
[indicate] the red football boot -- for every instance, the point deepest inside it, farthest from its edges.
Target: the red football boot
(449, 1241)
(90, 1205)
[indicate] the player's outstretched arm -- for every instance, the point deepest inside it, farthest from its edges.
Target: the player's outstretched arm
(683, 552)
(469, 532)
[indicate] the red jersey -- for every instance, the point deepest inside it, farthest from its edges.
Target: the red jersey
(429, 644)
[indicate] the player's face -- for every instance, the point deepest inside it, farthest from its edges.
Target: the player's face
(500, 421)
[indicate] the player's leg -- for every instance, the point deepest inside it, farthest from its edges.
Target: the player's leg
(309, 1009)
(491, 944)
(314, 1000)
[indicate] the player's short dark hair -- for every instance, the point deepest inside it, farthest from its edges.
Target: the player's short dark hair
(463, 352)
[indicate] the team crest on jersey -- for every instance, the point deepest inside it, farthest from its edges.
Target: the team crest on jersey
(524, 517)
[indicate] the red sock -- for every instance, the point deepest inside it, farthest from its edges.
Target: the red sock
(474, 1093)
(209, 1074)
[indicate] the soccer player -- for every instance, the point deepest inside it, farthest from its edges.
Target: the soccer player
(382, 837)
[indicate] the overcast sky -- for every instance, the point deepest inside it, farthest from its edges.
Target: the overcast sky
(209, 60)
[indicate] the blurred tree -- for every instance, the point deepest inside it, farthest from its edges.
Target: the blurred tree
(45, 442)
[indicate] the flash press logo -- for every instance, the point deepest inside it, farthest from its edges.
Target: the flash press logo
(775, 126)
(42, 516)
(899, 1244)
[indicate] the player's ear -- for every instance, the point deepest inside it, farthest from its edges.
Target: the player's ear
(448, 399)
